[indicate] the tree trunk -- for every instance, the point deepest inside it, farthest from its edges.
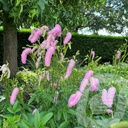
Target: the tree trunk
(10, 45)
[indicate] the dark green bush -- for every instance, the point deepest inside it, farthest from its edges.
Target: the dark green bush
(104, 46)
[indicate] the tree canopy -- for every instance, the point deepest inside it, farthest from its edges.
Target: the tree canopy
(112, 16)
(69, 13)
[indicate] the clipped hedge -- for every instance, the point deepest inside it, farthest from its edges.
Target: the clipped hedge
(104, 46)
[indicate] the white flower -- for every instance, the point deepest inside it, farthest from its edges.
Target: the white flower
(4, 68)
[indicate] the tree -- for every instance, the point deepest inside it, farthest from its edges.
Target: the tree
(112, 16)
(26, 13)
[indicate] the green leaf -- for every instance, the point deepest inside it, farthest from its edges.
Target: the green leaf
(52, 124)
(25, 124)
(15, 105)
(46, 118)
(17, 110)
(65, 116)
(123, 124)
(59, 114)
(71, 111)
(10, 110)
(31, 100)
(114, 121)
(1, 1)
(64, 124)
(102, 123)
(17, 2)
(41, 4)
(37, 119)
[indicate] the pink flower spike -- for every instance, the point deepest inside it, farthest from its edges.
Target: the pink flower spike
(69, 69)
(61, 57)
(94, 84)
(59, 30)
(110, 97)
(35, 35)
(74, 99)
(83, 85)
(93, 54)
(54, 85)
(88, 74)
(44, 45)
(47, 75)
(109, 111)
(24, 55)
(118, 55)
(50, 40)
(56, 97)
(14, 95)
(40, 78)
(104, 96)
(56, 31)
(45, 27)
(48, 56)
(67, 38)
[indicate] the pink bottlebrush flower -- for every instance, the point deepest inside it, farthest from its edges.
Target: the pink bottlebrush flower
(54, 85)
(14, 95)
(74, 99)
(118, 55)
(67, 38)
(83, 84)
(51, 40)
(34, 48)
(94, 84)
(56, 97)
(69, 69)
(48, 56)
(45, 27)
(61, 57)
(38, 59)
(110, 97)
(24, 55)
(37, 64)
(56, 31)
(109, 111)
(35, 35)
(40, 78)
(93, 54)
(44, 45)
(88, 74)
(47, 75)
(104, 96)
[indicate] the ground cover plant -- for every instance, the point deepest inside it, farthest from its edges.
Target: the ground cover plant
(52, 91)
